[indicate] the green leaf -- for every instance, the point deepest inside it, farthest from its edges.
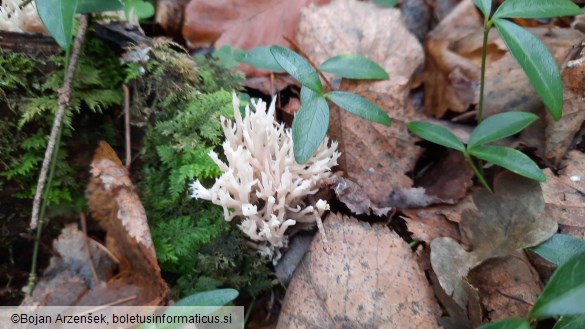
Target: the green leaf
(298, 67)
(485, 6)
(140, 8)
(564, 293)
(262, 58)
(537, 63)
(386, 3)
(359, 106)
(500, 126)
(510, 323)
(353, 66)
(93, 6)
(219, 297)
(560, 248)
(57, 16)
(436, 134)
(509, 158)
(570, 322)
(537, 9)
(310, 125)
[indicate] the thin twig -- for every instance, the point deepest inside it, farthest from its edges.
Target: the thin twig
(64, 98)
(127, 125)
(83, 223)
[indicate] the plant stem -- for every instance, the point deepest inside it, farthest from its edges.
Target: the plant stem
(476, 171)
(247, 316)
(33, 269)
(486, 31)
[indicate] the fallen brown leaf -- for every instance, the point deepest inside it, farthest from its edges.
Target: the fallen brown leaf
(369, 279)
(69, 276)
(451, 78)
(113, 201)
(242, 24)
(508, 286)
(449, 180)
(564, 194)
(429, 223)
(377, 156)
(353, 196)
(512, 218)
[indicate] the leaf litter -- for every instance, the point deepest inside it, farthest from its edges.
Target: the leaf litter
(380, 160)
(510, 219)
(474, 242)
(113, 201)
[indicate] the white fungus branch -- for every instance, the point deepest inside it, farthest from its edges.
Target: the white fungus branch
(262, 185)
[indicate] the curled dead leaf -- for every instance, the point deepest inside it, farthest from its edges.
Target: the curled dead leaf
(113, 201)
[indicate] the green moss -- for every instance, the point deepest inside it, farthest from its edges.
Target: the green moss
(167, 81)
(28, 102)
(196, 249)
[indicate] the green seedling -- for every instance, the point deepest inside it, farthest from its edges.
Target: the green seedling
(494, 128)
(542, 72)
(311, 122)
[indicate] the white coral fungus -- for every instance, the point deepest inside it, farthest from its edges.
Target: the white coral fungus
(14, 19)
(262, 184)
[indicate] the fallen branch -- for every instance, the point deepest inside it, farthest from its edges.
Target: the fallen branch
(64, 99)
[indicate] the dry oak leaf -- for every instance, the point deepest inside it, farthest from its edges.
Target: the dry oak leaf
(376, 156)
(113, 201)
(369, 279)
(512, 218)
